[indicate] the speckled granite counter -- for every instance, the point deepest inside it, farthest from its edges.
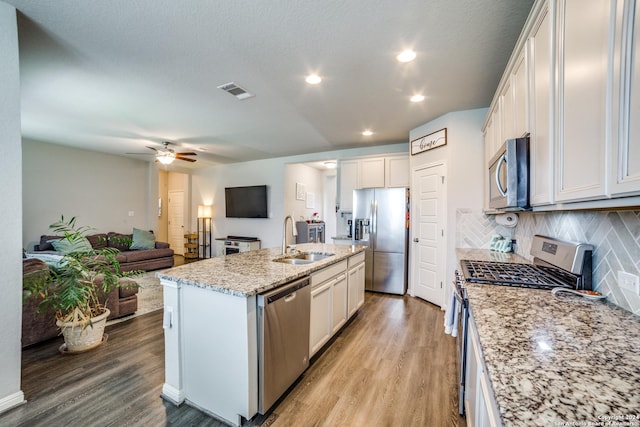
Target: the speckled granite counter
(556, 360)
(253, 272)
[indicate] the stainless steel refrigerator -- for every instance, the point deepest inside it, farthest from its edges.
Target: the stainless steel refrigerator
(381, 222)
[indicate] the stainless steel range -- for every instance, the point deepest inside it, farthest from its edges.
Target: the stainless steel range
(556, 263)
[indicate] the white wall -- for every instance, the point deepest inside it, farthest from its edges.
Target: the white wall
(464, 159)
(10, 213)
(208, 188)
(99, 189)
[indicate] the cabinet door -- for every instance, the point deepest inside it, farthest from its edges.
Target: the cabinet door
(355, 284)
(397, 171)
(520, 96)
(348, 183)
(584, 54)
(339, 303)
(320, 325)
(372, 173)
(496, 118)
(508, 110)
(625, 177)
(541, 56)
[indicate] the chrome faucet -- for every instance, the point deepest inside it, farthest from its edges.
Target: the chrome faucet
(284, 232)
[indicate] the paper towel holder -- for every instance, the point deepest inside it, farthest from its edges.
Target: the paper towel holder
(507, 219)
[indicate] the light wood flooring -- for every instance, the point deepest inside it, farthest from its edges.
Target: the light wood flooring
(392, 366)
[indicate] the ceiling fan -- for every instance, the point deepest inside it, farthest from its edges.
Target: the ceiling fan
(167, 155)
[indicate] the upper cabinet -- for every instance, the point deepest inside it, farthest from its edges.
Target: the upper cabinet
(374, 172)
(624, 178)
(572, 83)
(585, 55)
(541, 50)
(348, 175)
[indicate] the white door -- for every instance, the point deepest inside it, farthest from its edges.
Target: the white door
(428, 245)
(176, 221)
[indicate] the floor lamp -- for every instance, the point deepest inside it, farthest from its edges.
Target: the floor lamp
(204, 219)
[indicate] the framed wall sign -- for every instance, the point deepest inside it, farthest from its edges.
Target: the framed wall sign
(429, 142)
(301, 191)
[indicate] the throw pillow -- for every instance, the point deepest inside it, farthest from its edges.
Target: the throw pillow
(143, 239)
(70, 245)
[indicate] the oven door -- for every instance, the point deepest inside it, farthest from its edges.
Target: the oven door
(461, 340)
(228, 250)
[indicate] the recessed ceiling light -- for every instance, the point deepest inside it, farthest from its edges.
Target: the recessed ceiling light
(406, 56)
(367, 133)
(330, 164)
(313, 79)
(417, 98)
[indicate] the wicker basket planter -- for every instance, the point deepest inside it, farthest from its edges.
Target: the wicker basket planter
(78, 339)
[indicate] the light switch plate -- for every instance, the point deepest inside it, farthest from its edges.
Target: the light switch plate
(629, 281)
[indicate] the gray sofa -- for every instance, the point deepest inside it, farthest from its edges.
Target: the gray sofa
(137, 259)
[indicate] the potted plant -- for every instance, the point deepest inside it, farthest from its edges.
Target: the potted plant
(76, 285)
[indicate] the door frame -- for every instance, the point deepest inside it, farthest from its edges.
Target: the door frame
(413, 264)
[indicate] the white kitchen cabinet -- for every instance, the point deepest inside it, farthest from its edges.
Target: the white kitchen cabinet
(480, 404)
(355, 283)
(372, 173)
(520, 96)
(339, 296)
(585, 53)
(508, 110)
(541, 44)
(624, 177)
(320, 324)
(376, 172)
(349, 181)
(396, 171)
(328, 290)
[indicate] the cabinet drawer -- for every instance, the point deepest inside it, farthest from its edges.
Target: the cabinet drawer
(327, 273)
(356, 259)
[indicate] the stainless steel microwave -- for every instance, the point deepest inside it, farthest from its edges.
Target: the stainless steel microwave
(509, 176)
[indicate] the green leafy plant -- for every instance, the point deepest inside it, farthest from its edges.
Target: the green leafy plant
(72, 286)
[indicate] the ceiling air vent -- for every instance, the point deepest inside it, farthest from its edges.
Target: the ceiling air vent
(236, 90)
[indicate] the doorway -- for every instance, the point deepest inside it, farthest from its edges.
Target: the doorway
(176, 221)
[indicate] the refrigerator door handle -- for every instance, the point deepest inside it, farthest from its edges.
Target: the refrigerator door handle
(374, 223)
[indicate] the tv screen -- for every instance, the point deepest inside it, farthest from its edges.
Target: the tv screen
(246, 202)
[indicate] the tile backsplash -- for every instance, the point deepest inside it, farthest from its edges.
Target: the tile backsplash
(615, 236)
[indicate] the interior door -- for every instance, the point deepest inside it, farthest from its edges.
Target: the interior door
(176, 221)
(429, 249)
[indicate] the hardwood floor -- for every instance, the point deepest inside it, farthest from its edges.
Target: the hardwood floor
(393, 366)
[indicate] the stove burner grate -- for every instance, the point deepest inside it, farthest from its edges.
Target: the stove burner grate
(521, 275)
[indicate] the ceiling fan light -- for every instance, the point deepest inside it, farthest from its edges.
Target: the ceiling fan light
(166, 158)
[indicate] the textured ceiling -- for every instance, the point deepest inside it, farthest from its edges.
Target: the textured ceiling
(116, 76)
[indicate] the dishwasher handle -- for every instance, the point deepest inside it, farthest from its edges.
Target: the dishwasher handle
(286, 291)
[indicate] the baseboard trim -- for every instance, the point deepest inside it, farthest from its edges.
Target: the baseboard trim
(11, 401)
(172, 394)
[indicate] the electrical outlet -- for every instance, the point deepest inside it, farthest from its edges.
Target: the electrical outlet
(629, 281)
(131, 213)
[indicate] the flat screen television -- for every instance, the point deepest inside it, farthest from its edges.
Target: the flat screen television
(246, 202)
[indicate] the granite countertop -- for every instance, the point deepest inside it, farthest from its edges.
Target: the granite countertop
(556, 360)
(249, 273)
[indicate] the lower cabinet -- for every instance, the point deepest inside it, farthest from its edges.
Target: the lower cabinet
(355, 283)
(320, 325)
(336, 294)
(480, 405)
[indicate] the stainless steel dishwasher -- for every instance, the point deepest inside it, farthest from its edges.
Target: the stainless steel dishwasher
(283, 339)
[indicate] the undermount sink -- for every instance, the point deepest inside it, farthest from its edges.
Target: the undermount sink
(304, 257)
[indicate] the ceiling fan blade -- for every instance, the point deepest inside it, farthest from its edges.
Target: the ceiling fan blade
(152, 148)
(190, 153)
(186, 159)
(141, 154)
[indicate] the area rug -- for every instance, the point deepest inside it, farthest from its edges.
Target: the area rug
(149, 296)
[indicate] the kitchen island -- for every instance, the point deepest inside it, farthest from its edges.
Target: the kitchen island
(210, 323)
(555, 360)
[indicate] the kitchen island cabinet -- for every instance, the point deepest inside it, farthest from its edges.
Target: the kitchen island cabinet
(210, 323)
